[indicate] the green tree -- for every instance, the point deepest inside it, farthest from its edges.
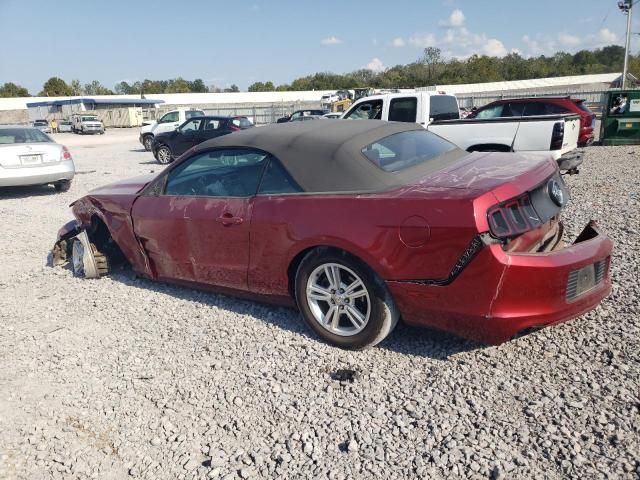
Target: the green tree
(76, 87)
(123, 88)
(96, 88)
(262, 87)
(56, 87)
(10, 89)
(197, 86)
(232, 89)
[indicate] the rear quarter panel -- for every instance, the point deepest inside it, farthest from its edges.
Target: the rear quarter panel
(367, 226)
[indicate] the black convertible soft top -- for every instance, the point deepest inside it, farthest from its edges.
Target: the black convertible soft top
(326, 155)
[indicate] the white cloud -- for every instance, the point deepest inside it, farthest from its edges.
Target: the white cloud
(455, 20)
(423, 40)
(568, 40)
(376, 65)
(494, 48)
(606, 36)
(398, 42)
(330, 41)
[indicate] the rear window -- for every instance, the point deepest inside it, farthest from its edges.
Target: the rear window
(192, 113)
(403, 109)
(242, 122)
(444, 107)
(22, 135)
(406, 149)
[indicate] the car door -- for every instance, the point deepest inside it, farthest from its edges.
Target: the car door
(196, 227)
(212, 128)
(186, 136)
(167, 123)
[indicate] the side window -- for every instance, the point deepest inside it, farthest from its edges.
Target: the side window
(490, 112)
(403, 109)
(553, 109)
(277, 180)
(191, 126)
(535, 108)
(516, 109)
(371, 110)
(218, 173)
(169, 117)
(212, 124)
(296, 114)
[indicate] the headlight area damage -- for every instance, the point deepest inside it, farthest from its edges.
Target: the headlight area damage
(91, 251)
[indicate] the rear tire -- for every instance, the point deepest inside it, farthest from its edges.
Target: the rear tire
(62, 186)
(164, 155)
(363, 310)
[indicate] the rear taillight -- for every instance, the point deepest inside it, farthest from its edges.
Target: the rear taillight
(557, 136)
(65, 154)
(234, 128)
(513, 217)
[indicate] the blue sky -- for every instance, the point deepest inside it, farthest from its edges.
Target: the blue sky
(226, 42)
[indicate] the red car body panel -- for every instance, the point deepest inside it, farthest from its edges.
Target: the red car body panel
(415, 232)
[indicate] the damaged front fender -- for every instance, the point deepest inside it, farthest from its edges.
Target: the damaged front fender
(61, 251)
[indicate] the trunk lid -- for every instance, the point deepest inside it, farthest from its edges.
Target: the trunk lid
(19, 155)
(505, 174)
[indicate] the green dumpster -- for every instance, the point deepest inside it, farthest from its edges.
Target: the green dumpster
(620, 124)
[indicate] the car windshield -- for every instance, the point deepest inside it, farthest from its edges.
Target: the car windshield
(406, 149)
(22, 135)
(90, 119)
(39, 123)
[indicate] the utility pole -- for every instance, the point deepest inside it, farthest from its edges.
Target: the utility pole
(626, 6)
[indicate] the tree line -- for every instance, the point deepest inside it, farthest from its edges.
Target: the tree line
(430, 69)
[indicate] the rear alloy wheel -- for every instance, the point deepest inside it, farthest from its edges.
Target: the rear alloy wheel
(147, 142)
(343, 301)
(62, 185)
(164, 155)
(88, 263)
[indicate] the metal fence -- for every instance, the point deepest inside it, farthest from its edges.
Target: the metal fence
(259, 114)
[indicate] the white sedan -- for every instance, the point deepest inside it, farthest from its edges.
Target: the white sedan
(30, 157)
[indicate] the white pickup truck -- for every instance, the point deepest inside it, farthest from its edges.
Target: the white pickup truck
(167, 123)
(439, 113)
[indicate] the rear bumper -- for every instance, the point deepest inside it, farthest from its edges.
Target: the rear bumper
(500, 294)
(38, 175)
(570, 161)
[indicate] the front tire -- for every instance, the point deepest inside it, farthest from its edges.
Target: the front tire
(147, 142)
(344, 301)
(164, 155)
(98, 267)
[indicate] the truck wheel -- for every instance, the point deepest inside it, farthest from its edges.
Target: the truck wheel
(147, 142)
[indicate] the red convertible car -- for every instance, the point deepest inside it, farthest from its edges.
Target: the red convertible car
(359, 224)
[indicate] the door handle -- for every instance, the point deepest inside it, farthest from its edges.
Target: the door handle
(228, 219)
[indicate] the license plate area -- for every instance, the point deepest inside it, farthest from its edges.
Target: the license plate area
(585, 279)
(30, 159)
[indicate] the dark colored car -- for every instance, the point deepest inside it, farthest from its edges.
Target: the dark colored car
(526, 107)
(359, 224)
(295, 116)
(168, 146)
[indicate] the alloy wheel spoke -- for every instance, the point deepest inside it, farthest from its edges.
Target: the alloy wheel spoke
(332, 273)
(330, 317)
(355, 290)
(317, 292)
(356, 317)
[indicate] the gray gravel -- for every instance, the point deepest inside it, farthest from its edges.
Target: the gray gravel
(123, 377)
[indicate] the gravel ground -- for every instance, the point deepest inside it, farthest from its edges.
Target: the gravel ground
(123, 377)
